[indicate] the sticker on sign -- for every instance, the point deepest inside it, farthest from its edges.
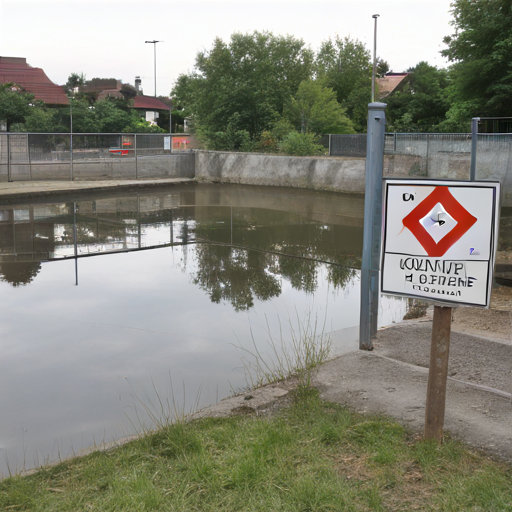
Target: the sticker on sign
(439, 240)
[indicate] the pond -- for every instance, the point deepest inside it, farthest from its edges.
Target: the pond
(117, 306)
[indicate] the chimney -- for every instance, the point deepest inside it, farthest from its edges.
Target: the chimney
(138, 83)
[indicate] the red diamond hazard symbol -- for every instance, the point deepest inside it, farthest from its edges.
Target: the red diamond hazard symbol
(442, 196)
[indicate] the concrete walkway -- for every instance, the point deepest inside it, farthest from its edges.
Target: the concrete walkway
(392, 380)
(25, 189)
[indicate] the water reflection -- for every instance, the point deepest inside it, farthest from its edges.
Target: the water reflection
(35, 233)
(73, 359)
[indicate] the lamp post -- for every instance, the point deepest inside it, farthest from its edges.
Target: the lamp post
(154, 46)
(375, 16)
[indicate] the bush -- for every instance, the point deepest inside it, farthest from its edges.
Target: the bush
(301, 144)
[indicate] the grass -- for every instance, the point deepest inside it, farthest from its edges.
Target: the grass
(306, 347)
(310, 456)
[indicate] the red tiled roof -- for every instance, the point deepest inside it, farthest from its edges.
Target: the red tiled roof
(149, 103)
(391, 82)
(33, 80)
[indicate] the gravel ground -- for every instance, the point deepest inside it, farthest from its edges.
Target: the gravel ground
(472, 358)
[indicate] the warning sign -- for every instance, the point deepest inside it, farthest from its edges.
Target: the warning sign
(440, 240)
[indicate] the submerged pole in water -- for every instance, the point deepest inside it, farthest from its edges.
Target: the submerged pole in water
(372, 224)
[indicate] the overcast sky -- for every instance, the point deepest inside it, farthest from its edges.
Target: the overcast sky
(106, 39)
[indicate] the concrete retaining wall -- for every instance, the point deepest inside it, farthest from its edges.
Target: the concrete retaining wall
(321, 173)
(177, 165)
(339, 174)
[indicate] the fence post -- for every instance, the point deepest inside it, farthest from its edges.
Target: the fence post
(135, 144)
(474, 143)
(372, 224)
(330, 144)
(29, 159)
(9, 177)
(428, 143)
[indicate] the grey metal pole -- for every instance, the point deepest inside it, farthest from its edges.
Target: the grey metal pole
(330, 136)
(71, 139)
(375, 16)
(154, 46)
(474, 144)
(76, 244)
(372, 224)
(9, 177)
(135, 144)
(29, 159)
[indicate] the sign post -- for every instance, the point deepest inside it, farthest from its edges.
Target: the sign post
(372, 224)
(439, 244)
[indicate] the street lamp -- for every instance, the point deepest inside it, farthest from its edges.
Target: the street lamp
(154, 46)
(375, 16)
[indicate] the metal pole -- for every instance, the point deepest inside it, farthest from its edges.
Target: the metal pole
(29, 159)
(474, 144)
(375, 16)
(372, 224)
(154, 47)
(438, 373)
(71, 139)
(76, 244)
(135, 144)
(330, 136)
(9, 177)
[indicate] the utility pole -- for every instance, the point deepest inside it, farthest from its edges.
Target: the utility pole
(154, 47)
(375, 16)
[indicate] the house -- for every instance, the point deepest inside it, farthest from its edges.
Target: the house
(390, 83)
(148, 106)
(32, 80)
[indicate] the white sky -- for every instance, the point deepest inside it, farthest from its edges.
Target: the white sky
(105, 39)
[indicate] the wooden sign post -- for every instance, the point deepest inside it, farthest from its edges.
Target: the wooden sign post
(438, 373)
(439, 244)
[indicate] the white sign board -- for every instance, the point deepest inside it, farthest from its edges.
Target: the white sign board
(167, 142)
(439, 240)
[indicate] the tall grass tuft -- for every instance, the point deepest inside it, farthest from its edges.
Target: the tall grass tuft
(308, 346)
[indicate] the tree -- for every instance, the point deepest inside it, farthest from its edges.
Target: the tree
(481, 50)
(423, 103)
(75, 80)
(15, 104)
(41, 119)
(345, 66)
(314, 109)
(244, 84)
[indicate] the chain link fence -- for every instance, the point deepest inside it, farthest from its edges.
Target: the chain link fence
(60, 156)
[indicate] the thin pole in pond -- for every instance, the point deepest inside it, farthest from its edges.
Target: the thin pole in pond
(76, 244)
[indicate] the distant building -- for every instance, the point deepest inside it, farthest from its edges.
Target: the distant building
(148, 106)
(391, 83)
(32, 80)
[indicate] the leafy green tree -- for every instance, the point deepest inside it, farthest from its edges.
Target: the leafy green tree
(422, 104)
(74, 80)
(345, 65)
(85, 118)
(301, 144)
(41, 119)
(314, 109)
(244, 84)
(113, 116)
(481, 50)
(15, 104)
